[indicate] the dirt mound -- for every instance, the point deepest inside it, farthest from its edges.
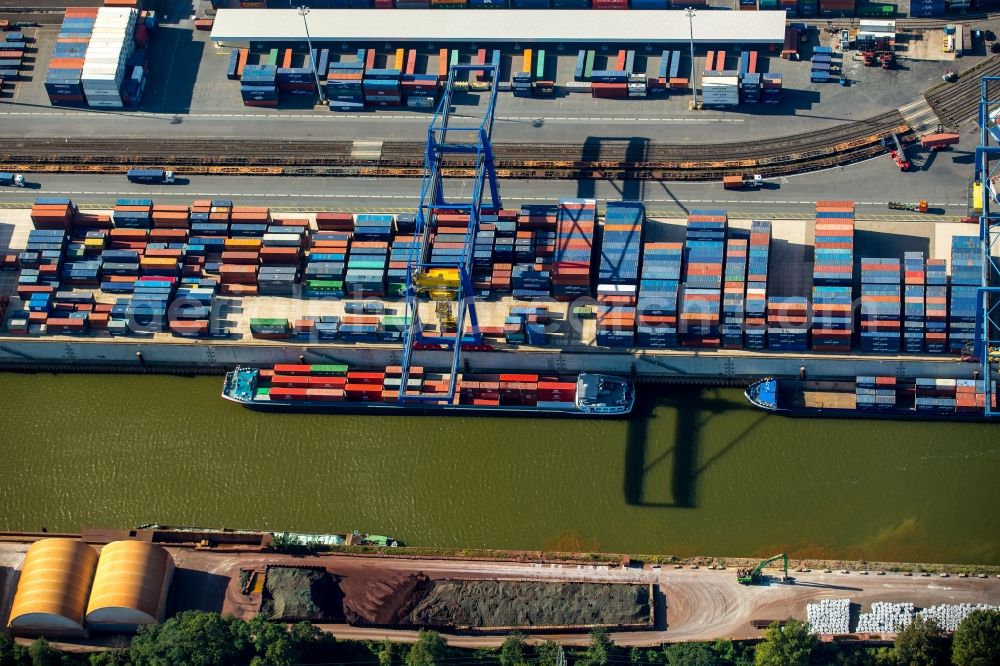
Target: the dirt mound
(484, 604)
(386, 601)
(292, 594)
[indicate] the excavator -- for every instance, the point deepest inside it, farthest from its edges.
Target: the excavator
(755, 576)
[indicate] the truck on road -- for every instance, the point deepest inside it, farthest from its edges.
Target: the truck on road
(9, 179)
(150, 176)
(742, 182)
(919, 207)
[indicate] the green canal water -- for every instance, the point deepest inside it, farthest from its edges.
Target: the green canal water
(696, 472)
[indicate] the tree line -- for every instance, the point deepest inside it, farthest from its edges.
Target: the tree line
(196, 638)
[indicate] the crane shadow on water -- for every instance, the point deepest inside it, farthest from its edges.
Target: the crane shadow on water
(695, 406)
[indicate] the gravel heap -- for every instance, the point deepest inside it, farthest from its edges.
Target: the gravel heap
(507, 603)
(386, 601)
(292, 594)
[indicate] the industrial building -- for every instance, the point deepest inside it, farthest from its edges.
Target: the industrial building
(130, 586)
(236, 27)
(52, 591)
(66, 589)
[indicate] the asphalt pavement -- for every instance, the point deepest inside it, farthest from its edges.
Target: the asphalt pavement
(871, 184)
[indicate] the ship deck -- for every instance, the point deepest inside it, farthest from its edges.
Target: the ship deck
(826, 400)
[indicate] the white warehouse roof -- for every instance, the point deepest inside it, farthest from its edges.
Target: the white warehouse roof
(530, 26)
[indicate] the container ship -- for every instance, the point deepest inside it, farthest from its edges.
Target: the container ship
(875, 397)
(337, 388)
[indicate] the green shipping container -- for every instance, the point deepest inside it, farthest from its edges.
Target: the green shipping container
(394, 321)
(272, 58)
(588, 69)
(454, 57)
(329, 369)
(268, 322)
(261, 392)
(540, 65)
(328, 285)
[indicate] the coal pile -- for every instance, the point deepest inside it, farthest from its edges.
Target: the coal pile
(386, 601)
(292, 594)
(486, 604)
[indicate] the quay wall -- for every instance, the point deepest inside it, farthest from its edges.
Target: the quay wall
(711, 367)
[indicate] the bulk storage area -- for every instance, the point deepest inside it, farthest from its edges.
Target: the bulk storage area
(66, 588)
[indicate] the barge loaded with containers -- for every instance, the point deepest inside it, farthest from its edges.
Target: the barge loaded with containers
(336, 388)
(876, 398)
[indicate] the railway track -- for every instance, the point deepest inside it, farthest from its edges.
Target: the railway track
(956, 103)
(631, 159)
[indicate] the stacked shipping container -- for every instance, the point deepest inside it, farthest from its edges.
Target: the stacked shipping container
(618, 274)
(704, 249)
(105, 65)
(880, 305)
(657, 304)
(833, 275)
(936, 304)
(575, 223)
(734, 294)
(755, 318)
(787, 324)
(821, 65)
(875, 392)
(13, 49)
(966, 278)
(914, 310)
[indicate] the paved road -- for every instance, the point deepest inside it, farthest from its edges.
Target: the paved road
(873, 184)
(25, 120)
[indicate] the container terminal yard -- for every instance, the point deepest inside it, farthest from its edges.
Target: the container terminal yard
(454, 208)
(240, 283)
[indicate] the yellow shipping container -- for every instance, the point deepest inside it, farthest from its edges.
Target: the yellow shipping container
(526, 67)
(158, 262)
(242, 243)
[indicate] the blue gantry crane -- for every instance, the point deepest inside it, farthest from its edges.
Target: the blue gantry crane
(987, 341)
(447, 280)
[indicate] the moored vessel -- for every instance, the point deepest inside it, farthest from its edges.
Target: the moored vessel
(337, 388)
(933, 399)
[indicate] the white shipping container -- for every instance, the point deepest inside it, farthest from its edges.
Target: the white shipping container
(100, 74)
(627, 289)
